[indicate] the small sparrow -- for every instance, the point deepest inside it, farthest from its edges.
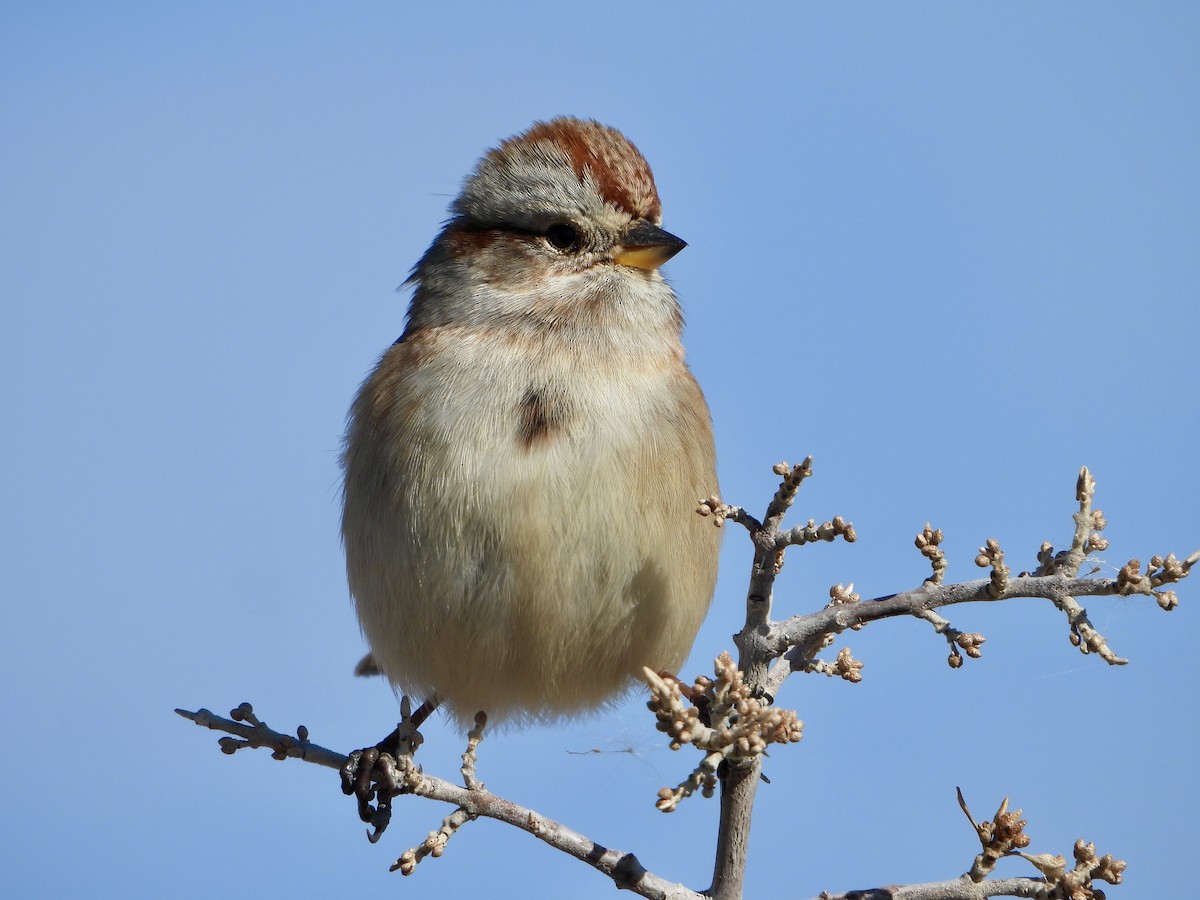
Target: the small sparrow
(523, 465)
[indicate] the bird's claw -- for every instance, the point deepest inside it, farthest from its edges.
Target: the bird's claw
(371, 776)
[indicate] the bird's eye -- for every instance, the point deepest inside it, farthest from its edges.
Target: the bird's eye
(562, 236)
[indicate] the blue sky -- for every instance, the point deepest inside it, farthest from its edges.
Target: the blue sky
(950, 250)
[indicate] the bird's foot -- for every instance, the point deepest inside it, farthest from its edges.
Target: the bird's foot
(374, 775)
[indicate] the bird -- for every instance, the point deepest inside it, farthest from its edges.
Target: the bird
(523, 465)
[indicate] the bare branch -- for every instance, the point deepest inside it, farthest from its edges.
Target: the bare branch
(929, 543)
(1000, 837)
(1055, 579)
(732, 719)
(257, 735)
(1059, 589)
(770, 651)
(623, 868)
(955, 889)
(740, 780)
(721, 718)
(435, 842)
(722, 512)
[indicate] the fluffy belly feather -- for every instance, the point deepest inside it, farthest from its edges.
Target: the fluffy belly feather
(534, 577)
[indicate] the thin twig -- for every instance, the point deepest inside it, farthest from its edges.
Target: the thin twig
(623, 868)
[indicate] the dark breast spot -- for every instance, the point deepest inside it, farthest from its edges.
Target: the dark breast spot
(539, 418)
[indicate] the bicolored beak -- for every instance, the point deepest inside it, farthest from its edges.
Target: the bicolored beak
(646, 246)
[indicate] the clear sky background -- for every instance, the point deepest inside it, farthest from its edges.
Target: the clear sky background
(951, 250)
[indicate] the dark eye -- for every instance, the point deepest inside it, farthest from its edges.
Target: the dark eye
(562, 236)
